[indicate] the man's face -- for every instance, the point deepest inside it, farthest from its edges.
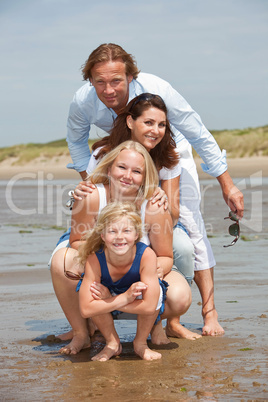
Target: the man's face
(111, 83)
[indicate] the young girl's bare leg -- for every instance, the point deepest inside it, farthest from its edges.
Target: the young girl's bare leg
(144, 326)
(68, 299)
(105, 324)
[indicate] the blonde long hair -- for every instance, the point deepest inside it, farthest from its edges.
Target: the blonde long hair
(111, 213)
(150, 180)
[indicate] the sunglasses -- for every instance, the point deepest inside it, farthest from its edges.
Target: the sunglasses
(71, 275)
(145, 97)
(234, 229)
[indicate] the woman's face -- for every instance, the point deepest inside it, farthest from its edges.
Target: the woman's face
(127, 174)
(148, 129)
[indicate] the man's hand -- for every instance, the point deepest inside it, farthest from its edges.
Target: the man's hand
(232, 196)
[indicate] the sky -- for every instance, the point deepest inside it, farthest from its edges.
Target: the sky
(213, 52)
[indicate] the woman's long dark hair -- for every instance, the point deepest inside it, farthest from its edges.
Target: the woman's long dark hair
(163, 154)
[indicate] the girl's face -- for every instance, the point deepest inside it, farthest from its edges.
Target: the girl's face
(148, 129)
(120, 236)
(127, 174)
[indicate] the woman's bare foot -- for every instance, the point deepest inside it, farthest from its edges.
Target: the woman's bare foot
(79, 342)
(107, 352)
(211, 325)
(144, 352)
(66, 336)
(175, 329)
(158, 335)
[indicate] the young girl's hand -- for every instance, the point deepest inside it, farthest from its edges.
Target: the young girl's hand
(83, 189)
(160, 195)
(134, 291)
(99, 291)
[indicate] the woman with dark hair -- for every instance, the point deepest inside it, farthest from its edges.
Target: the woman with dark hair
(145, 120)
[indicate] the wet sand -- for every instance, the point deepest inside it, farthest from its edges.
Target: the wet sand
(230, 367)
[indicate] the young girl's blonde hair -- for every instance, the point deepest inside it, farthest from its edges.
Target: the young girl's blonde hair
(111, 213)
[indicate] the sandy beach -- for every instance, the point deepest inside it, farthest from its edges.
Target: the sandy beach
(230, 367)
(237, 167)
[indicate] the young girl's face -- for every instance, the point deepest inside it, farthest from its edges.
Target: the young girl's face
(149, 128)
(120, 236)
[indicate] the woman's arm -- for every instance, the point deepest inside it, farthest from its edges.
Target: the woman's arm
(172, 190)
(160, 226)
(84, 214)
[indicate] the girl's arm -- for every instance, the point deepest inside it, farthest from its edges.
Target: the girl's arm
(89, 307)
(126, 302)
(172, 190)
(84, 213)
(160, 227)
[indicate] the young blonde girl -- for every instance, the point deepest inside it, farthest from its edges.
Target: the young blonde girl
(113, 256)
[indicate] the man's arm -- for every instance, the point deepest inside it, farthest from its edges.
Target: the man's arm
(78, 129)
(189, 123)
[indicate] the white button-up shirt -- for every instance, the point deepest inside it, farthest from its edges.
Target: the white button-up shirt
(87, 109)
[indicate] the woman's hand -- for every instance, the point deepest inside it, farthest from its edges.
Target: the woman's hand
(83, 189)
(99, 291)
(134, 291)
(160, 195)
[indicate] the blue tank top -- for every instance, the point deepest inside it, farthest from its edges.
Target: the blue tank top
(132, 276)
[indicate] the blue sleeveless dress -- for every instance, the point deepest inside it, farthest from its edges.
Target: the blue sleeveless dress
(132, 276)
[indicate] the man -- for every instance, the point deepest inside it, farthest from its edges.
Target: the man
(114, 81)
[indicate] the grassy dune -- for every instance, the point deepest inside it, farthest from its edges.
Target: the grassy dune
(247, 142)
(238, 143)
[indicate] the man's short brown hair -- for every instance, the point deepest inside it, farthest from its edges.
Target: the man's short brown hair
(110, 52)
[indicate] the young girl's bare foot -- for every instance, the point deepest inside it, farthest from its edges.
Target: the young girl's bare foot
(66, 336)
(158, 335)
(107, 352)
(144, 352)
(175, 329)
(79, 342)
(211, 324)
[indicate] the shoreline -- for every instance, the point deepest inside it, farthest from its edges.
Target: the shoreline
(237, 167)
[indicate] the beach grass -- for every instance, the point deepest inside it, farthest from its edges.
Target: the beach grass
(246, 142)
(238, 144)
